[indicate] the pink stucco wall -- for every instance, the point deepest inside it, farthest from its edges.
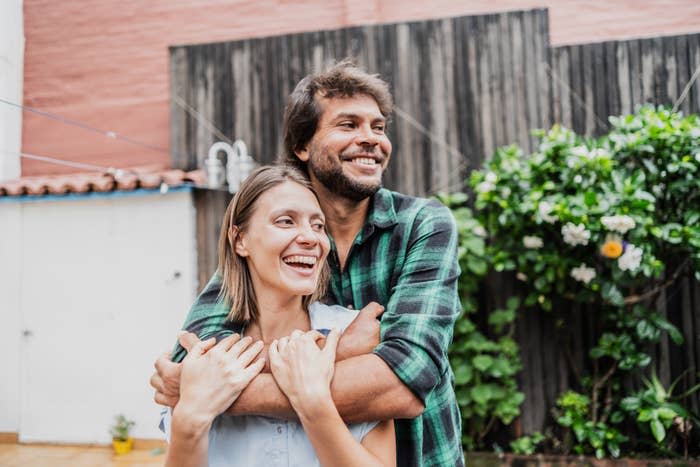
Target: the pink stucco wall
(105, 62)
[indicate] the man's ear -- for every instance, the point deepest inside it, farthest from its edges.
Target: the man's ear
(302, 154)
(239, 245)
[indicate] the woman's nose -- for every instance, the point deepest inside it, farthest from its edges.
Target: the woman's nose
(307, 235)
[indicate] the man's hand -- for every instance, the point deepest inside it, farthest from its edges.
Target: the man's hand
(362, 336)
(166, 379)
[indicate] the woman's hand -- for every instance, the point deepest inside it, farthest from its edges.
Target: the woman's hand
(302, 370)
(213, 376)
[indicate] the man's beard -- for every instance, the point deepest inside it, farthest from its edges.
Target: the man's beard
(335, 181)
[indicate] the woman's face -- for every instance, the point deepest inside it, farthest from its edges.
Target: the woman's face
(285, 242)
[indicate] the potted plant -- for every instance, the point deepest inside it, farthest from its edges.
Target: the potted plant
(121, 439)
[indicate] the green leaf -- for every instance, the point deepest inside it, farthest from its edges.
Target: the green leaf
(463, 374)
(666, 413)
(481, 394)
(658, 430)
(482, 362)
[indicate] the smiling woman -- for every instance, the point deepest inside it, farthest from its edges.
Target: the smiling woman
(272, 258)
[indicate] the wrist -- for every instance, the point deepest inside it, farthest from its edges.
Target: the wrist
(314, 405)
(190, 423)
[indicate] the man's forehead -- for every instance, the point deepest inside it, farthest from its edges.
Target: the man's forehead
(350, 105)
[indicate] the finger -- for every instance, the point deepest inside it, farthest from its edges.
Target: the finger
(253, 370)
(157, 383)
(282, 344)
(201, 347)
(250, 353)
(187, 340)
(227, 342)
(162, 399)
(240, 346)
(373, 309)
(164, 364)
(331, 344)
(314, 335)
(162, 358)
(296, 334)
(273, 354)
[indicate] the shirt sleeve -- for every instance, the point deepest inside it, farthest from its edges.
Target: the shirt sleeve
(207, 316)
(419, 318)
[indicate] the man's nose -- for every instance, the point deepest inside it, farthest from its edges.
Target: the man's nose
(367, 136)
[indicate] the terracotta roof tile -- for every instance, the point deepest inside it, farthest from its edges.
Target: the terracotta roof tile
(119, 180)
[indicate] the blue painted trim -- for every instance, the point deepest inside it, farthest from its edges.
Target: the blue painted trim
(95, 195)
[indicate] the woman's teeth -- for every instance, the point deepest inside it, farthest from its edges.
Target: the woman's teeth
(298, 259)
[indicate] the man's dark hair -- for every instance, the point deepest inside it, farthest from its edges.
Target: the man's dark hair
(301, 116)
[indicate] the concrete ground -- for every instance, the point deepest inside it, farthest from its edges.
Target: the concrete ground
(31, 455)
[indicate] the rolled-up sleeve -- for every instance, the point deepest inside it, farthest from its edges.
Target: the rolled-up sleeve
(419, 318)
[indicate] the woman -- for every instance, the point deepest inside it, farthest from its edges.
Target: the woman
(272, 253)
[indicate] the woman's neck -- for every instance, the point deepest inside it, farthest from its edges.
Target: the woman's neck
(278, 318)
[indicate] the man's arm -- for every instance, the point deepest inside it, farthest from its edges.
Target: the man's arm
(377, 395)
(364, 388)
(419, 319)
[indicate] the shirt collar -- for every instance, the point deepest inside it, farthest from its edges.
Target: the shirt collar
(381, 215)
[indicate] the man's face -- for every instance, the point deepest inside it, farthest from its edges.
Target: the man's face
(350, 149)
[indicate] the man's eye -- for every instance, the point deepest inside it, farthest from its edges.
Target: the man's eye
(379, 128)
(347, 124)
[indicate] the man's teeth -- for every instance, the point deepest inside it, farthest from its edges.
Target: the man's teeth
(311, 260)
(364, 161)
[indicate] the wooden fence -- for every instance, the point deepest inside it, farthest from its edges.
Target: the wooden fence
(463, 86)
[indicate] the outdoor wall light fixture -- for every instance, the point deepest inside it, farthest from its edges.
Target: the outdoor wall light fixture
(238, 165)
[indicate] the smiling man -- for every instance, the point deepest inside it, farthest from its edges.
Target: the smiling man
(386, 247)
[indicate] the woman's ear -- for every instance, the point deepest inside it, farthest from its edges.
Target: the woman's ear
(239, 243)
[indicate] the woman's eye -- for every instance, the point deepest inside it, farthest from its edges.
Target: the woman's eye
(319, 227)
(284, 221)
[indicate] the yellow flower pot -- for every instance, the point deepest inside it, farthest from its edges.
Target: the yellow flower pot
(122, 447)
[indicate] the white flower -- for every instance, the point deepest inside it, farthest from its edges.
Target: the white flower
(581, 151)
(505, 192)
(630, 259)
(599, 152)
(532, 242)
(583, 273)
(575, 234)
(491, 177)
(578, 179)
(619, 224)
(521, 277)
(485, 187)
(479, 231)
(545, 210)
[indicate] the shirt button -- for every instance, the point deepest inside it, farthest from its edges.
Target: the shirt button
(349, 307)
(279, 429)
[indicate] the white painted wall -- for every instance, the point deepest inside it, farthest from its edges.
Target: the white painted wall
(99, 296)
(10, 305)
(11, 69)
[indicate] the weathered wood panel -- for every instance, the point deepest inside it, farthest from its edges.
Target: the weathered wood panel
(592, 81)
(463, 86)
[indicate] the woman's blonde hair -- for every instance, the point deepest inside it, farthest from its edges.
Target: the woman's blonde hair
(237, 286)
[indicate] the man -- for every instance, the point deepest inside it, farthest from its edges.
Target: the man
(386, 247)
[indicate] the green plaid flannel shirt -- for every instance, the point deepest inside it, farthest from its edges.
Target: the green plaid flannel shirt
(405, 258)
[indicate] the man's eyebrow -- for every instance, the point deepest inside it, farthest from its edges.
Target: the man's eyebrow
(354, 116)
